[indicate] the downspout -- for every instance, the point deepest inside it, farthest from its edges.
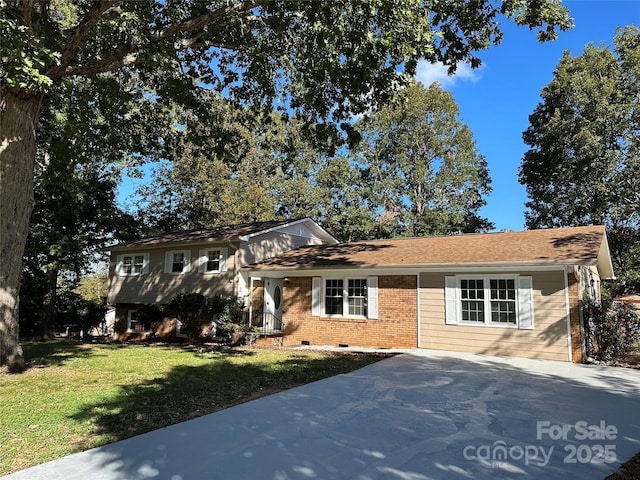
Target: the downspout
(250, 298)
(568, 311)
(234, 282)
(418, 305)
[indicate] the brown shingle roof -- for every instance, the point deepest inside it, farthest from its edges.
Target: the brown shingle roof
(204, 234)
(579, 245)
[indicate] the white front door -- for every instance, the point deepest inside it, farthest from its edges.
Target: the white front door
(272, 304)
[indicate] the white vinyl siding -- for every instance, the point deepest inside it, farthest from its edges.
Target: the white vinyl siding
(542, 292)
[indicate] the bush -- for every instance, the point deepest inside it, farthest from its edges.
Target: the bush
(613, 327)
(189, 308)
(151, 316)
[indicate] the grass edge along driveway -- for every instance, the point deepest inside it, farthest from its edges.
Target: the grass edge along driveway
(78, 396)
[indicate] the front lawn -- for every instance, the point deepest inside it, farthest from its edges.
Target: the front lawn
(78, 396)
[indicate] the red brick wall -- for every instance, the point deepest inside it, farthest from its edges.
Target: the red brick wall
(575, 320)
(166, 330)
(395, 327)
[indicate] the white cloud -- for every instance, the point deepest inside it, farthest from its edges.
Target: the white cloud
(427, 73)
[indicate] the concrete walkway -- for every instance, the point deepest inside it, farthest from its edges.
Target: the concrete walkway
(418, 416)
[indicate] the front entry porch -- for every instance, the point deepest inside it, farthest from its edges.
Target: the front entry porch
(265, 306)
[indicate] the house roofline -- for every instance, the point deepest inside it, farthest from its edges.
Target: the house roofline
(299, 271)
(136, 246)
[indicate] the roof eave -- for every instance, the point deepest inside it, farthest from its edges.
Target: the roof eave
(522, 265)
(605, 264)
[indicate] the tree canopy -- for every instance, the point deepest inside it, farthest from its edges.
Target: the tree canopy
(324, 61)
(426, 175)
(416, 172)
(584, 157)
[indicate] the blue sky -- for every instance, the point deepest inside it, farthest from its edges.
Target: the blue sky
(496, 100)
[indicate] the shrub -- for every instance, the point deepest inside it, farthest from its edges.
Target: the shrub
(189, 308)
(613, 327)
(151, 316)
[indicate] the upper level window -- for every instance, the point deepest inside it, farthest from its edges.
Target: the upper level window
(177, 261)
(213, 260)
(177, 265)
(132, 264)
(500, 300)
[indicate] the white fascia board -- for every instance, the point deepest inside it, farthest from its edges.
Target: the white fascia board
(395, 270)
(605, 265)
(212, 242)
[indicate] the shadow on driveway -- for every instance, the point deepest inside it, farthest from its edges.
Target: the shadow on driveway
(419, 416)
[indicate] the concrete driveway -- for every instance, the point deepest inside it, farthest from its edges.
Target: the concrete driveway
(418, 416)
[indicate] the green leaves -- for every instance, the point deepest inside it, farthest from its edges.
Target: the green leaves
(425, 173)
(23, 58)
(582, 166)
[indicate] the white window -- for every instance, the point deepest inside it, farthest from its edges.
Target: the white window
(133, 325)
(213, 260)
(132, 264)
(345, 297)
(498, 301)
(177, 262)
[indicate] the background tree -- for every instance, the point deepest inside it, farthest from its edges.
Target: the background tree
(326, 61)
(582, 167)
(78, 161)
(346, 207)
(426, 174)
(74, 214)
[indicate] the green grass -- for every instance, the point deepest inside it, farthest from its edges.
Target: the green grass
(78, 396)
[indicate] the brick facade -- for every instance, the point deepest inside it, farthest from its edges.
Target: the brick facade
(395, 327)
(575, 320)
(166, 329)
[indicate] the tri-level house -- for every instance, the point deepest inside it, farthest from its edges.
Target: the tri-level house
(207, 261)
(503, 293)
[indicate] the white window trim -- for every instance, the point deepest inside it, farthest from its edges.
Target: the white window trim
(319, 296)
(168, 262)
(524, 301)
(203, 259)
(129, 329)
(120, 264)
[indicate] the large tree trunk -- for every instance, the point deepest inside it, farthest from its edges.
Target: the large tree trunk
(18, 118)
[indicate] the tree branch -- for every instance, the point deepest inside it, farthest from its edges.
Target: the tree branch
(80, 36)
(135, 54)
